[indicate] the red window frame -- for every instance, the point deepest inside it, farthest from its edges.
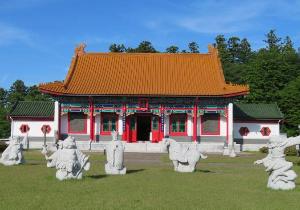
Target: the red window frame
(110, 115)
(265, 131)
(244, 131)
(77, 132)
(217, 132)
(177, 117)
(24, 128)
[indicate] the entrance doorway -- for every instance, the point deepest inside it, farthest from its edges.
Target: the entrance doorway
(143, 127)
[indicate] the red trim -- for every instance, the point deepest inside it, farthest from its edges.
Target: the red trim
(124, 136)
(101, 127)
(172, 116)
(217, 133)
(77, 132)
(257, 121)
(33, 118)
(195, 121)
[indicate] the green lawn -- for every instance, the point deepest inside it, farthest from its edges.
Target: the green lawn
(219, 183)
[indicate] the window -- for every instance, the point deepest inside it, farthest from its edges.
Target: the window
(155, 122)
(178, 124)
(77, 122)
(210, 124)
(109, 123)
(244, 131)
(265, 131)
(24, 128)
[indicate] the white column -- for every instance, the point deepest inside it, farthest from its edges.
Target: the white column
(230, 124)
(56, 116)
(120, 124)
(166, 125)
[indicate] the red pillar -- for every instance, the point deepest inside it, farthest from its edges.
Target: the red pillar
(195, 121)
(162, 122)
(92, 124)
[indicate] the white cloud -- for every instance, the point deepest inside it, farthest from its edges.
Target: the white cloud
(10, 34)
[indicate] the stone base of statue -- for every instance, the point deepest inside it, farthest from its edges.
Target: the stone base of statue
(284, 181)
(69, 161)
(114, 171)
(13, 154)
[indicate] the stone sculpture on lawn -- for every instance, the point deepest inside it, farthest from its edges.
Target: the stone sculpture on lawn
(13, 154)
(69, 161)
(115, 156)
(281, 175)
(184, 157)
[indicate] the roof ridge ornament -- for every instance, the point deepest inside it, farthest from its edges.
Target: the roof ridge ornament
(212, 49)
(79, 50)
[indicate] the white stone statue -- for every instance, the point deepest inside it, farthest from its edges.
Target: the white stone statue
(68, 160)
(115, 156)
(13, 154)
(282, 177)
(184, 157)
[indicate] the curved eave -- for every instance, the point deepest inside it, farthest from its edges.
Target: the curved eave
(242, 93)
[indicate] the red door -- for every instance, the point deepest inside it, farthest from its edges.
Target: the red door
(155, 125)
(131, 129)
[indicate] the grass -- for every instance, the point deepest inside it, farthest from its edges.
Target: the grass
(219, 183)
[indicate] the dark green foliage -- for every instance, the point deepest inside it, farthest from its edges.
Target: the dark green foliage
(117, 48)
(264, 150)
(3, 146)
(143, 47)
(193, 47)
(290, 151)
(289, 102)
(172, 49)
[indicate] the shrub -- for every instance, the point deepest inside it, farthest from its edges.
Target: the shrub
(264, 150)
(290, 151)
(2, 146)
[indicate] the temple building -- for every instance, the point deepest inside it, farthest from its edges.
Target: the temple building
(149, 96)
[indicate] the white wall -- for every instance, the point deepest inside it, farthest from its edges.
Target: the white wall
(34, 128)
(254, 128)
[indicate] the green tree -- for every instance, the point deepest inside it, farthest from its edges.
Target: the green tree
(221, 45)
(172, 49)
(143, 47)
(290, 105)
(117, 48)
(273, 41)
(233, 45)
(33, 94)
(17, 92)
(4, 123)
(245, 51)
(193, 47)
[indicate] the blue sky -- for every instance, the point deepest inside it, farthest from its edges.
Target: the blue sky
(37, 37)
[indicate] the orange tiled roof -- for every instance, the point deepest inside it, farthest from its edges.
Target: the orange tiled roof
(155, 74)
